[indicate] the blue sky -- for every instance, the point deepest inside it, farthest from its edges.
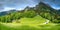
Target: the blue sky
(53, 3)
(6, 5)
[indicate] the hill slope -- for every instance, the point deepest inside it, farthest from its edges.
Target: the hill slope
(36, 23)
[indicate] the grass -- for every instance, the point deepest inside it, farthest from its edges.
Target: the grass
(35, 23)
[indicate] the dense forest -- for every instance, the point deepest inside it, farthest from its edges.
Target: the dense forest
(42, 9)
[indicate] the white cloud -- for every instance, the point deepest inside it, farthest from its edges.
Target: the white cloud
(7, 9)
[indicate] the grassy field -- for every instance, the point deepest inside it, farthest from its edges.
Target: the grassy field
(36, 23)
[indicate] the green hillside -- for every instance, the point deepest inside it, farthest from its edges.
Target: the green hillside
(36, 23)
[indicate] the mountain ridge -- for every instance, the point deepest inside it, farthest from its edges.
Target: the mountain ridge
(41, 9)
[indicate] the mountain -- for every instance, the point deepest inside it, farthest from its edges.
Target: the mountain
(7, 12)
(42, 9)
(48, 12)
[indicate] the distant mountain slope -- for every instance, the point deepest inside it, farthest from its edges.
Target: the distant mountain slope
(6, 12)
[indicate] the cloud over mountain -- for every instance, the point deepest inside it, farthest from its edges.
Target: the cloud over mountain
(20, 4)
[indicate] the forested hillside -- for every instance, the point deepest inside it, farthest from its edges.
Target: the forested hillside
(42, 9)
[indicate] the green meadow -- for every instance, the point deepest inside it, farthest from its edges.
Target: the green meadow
(36, 23)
